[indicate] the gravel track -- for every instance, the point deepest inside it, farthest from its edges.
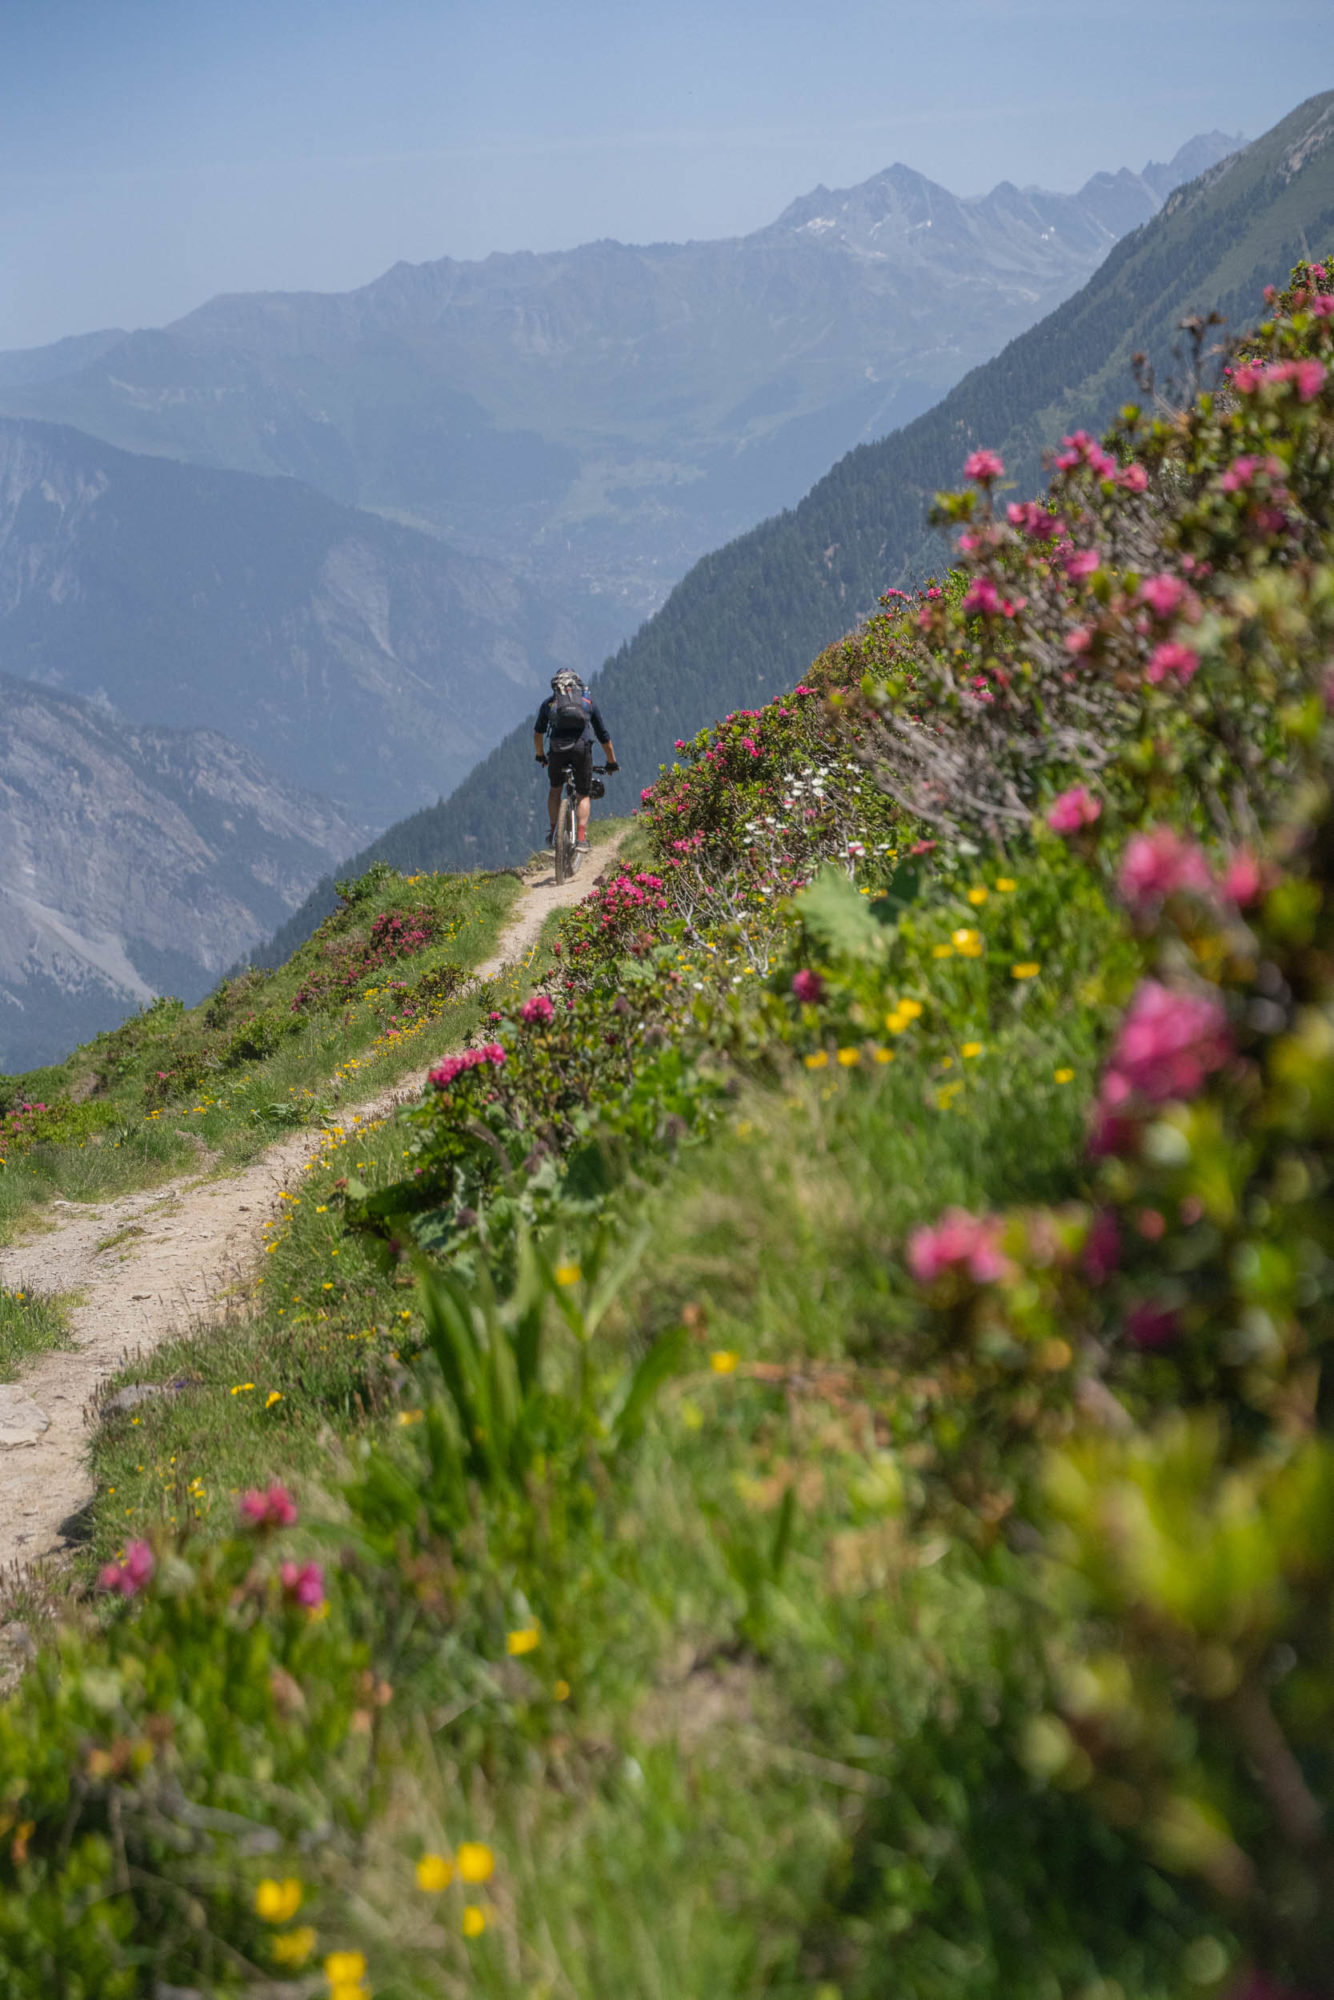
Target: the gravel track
(183, 1259)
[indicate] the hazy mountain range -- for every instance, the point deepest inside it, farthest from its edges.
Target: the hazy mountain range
(132, 860)
(606, 413)
(360, 659)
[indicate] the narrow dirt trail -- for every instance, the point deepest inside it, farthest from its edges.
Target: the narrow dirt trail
(182, 1255)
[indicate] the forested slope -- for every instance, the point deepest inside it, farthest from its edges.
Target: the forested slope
(747, 618)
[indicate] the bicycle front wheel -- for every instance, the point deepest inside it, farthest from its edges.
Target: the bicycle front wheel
(564, 842)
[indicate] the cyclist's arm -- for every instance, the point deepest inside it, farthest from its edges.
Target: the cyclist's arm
(539, 746)
(540, 731)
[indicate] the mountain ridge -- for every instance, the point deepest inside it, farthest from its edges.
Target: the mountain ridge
(612, 411)
(133, 860)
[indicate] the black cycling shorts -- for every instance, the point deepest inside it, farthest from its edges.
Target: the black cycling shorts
(577, 759)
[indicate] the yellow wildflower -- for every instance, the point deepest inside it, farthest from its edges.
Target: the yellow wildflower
(345, 1969)
(568, 1274)
(434, 1872)
(293, 1947)
(912, 1008)
(722, 1361)
(1063, 1075)
(971, 1049)
(474, 1921)
(522, 1641)
(476, 1861)
(561, 1690)
(968, 944)
(819, 1059)
(278, 1902)
(977, 897)
(1028, 970)
(274, 1396)
(882, 1055)
(848, 1057)
(1006, 885)
(240, 1388)
(942, 951)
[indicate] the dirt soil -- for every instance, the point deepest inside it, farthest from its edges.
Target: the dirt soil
(183, 1257)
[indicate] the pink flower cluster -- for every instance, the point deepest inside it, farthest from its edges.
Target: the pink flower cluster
(303, 1584)
(1161, 863)
(537, 1011)
(808, 987)
(1167, 597)
(127, 1579)
(273, 1508)
(984, 597)
(1168, 1044)
(1032, 518)
(1173, 659)
(1244, 470)
(453, 1067)
(1307, 377)
(983, 466)
(1073, 810)
(1081, 449)
(958, 1242)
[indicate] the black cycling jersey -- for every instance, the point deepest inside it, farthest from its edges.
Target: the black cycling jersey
(594, 726)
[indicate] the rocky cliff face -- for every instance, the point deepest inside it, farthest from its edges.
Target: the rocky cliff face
(134, 861)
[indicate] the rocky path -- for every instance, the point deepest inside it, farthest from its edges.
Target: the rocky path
(150, 1265)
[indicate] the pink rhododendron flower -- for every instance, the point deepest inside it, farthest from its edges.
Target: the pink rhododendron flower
(983, 466)
(1102, 1247)
(1243, 879)
(1081, 564)
(453, 1067)
(1244, 469)
(1164, 595)
(539, 1008)
(808, 987)
(1079, 640)
(1151, 1326)
(983, 596)
(303, 1583)
(273, 1508)
(1133, 478)
(1160, 863)
(1168, 1044)
(1072, 810)
(127, 1579)
(1307, 377)
(958, 1242)
(1172, 658)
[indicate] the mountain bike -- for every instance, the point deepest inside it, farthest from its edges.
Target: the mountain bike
(565, 844)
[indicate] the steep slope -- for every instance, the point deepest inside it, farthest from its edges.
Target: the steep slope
(615, 410)
(746, 620)
(133, 862)
(360, 659)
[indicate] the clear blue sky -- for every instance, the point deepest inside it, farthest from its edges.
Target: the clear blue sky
(153, 152)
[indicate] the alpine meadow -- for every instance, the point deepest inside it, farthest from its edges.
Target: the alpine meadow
(771, 1435)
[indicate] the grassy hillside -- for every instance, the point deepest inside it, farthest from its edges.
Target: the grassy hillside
(362, 1001)
(745, 620)
(803, 1465)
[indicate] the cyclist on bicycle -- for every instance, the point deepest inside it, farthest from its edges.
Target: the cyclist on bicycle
(569, 718)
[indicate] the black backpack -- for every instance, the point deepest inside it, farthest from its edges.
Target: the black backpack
(568, 715)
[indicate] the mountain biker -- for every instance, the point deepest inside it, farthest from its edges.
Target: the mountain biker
(569, 717)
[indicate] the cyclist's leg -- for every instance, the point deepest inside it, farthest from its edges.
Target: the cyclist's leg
(581, 765)
(557, 764)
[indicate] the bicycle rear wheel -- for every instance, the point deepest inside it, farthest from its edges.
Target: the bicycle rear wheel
(564, 842)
